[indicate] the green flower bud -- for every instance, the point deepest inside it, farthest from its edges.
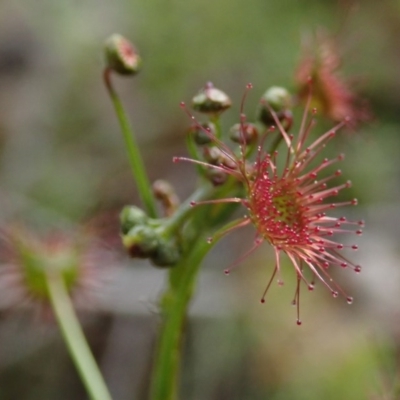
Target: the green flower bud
(141, 241)
(200, 137)
(217, 177)
(215, 156)
(211, 100)
(277, 98)
(246, 133)
(167, 254)
(121, 55)
(130, 217)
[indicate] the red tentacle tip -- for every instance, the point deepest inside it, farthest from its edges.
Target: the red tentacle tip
(192, 203)
(175, 159)
(182, 104)
(227, 271)
(262, 301)
(298, 322)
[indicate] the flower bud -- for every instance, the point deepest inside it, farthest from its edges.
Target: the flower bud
(211, 100)
(200, 137)
(215, 156)
(165, 193)
(167, 254)
(217, 177)
(279, 100)
(121, 55)
(246, 133)
(141, 241)
(130, 217)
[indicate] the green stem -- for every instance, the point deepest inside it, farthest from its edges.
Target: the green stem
(75, 339)
(164, 385)
(134, 156)
(182, 279)
(186, 209)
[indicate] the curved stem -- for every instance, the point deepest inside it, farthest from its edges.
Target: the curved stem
(75, 339)
(134, 156)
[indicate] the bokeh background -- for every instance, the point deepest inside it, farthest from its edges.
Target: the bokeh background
(63, 164)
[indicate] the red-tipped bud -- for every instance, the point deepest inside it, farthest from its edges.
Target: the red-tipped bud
(243, 133)
(215, 156)
(202, 134)
(217, 177)
(121, 55)
(211, 100)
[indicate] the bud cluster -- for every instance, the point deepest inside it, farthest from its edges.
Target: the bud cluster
(145, 237)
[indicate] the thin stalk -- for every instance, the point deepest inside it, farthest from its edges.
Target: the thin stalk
(164, 385)
(75, 339)
(181, 283)
(186, 209)
(134, 156)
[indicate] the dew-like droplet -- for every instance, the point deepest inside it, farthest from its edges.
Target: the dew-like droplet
(262, 301)
(227, 271)
(249, 86)
(335, 294)
(182, 104)
(349, 300)
(311, 287)
(175, 159)
(192, 203)
(294, 302)
(298, 322)
(354, 247)
(280, 282)
(357, 269)
(343, 265)
(209, 240)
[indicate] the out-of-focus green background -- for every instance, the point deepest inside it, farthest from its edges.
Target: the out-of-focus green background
(62, 163)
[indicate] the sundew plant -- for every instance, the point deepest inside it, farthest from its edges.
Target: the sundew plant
(274, 167)
(277, 169)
